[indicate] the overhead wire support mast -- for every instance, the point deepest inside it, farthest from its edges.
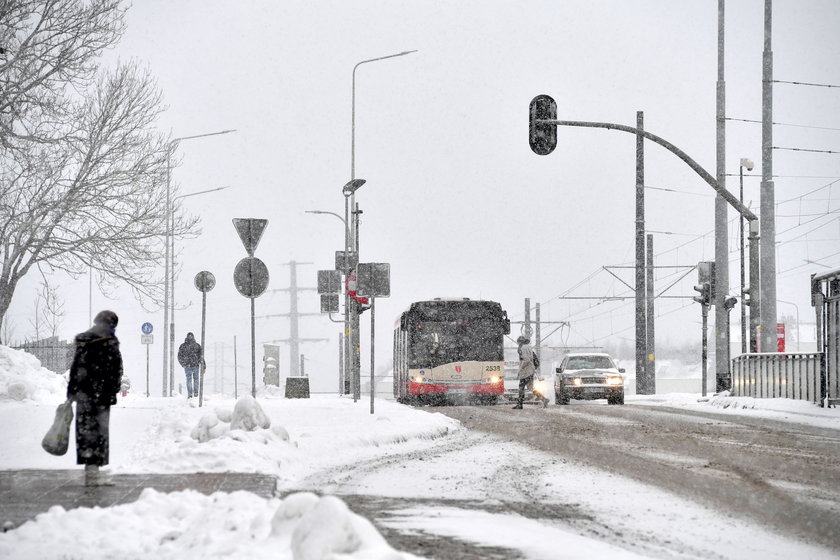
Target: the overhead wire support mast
(696, 167)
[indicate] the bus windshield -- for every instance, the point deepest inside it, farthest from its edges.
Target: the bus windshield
(434, 343)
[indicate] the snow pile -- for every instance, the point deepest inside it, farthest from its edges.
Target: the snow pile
(188, 524)
(247, 416)
(23, 378)
(785, 410)
(169, 436)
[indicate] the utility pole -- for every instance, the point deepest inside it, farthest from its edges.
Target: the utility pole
(643, 383)
(767, 219)
(538, 338)
(722, 375)
(650, 341)
(294, 316)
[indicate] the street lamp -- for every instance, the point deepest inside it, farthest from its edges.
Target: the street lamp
(169, 281)
(341, 350)
(745, 162)
(351, 319)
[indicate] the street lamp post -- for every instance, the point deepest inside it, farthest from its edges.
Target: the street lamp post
(745, 162)
(172, 299)
(342, 368)
(352, 315)
(352, 359)
(169, 274)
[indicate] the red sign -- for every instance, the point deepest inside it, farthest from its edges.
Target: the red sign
(351, 289)
(780, 337)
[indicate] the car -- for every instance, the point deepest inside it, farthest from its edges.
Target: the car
(589, 376)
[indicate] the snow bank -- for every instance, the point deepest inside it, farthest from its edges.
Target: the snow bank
(23, 378)
(188, 524)
(247, 415)
(785, 410)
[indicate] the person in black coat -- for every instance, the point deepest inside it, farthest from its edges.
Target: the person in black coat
(191, 358)
(94, 383)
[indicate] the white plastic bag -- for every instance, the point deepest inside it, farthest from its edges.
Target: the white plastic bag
(58, 436)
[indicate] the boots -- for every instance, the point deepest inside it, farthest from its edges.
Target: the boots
(93, 477)
(518, 406)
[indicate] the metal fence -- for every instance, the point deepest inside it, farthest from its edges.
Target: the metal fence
(791, 375)
(825, 298)
(54, 354)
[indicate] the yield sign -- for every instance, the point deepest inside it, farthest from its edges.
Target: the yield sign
(250, 231)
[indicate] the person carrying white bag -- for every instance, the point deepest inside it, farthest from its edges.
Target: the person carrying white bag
(94, 383)
(58, 436)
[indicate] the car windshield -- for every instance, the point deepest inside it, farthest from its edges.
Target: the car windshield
(589, 362)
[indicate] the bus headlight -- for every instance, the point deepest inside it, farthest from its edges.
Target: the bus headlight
(614, 381)
(494, 379)
(419, 379)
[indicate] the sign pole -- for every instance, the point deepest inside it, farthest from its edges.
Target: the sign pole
(147, 371)
(235, 371)
(203, 316)
(372, 348)
(253, 355)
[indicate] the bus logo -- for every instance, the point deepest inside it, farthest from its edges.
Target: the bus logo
(458, 369)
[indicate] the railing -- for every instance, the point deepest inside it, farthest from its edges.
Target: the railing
(825, 298)
(790, 375)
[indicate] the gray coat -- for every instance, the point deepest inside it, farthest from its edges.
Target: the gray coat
(526, 361)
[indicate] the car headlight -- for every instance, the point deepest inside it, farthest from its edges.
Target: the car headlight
(578, 381)
(614, 381)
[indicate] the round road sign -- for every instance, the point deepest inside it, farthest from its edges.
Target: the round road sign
(250, 277)
(205, 281)
(147, 328)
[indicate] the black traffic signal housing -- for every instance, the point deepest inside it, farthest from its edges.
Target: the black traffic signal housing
(542, 137)
(705, 297)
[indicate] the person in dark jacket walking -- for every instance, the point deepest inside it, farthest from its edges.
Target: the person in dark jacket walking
(191, 358)
(94, 383)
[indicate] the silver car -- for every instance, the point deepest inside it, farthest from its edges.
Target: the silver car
(589, 376)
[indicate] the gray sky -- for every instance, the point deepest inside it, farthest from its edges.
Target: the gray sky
(455, 200)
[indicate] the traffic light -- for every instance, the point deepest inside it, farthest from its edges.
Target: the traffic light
(542, 137)
(729, 303)
(705, 297)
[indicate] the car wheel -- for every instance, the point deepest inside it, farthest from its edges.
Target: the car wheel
(619, 398)
(561, 397)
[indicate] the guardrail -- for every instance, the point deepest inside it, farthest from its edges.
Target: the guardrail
(788, 375)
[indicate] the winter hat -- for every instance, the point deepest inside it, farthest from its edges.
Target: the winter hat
(106, 318)
(522, 340)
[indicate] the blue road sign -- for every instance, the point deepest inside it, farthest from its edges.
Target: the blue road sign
(147, 328)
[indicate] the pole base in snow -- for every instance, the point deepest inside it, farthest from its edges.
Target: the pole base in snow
(297, 387)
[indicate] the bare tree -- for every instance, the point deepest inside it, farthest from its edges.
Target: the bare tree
(49, 47)
(49, 308)
(82, 168)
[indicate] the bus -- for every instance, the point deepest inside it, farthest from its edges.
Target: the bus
(450, 349)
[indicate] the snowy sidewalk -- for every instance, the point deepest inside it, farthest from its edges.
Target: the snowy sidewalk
(26, 493)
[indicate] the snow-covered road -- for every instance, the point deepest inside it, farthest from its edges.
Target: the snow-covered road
(662, 477)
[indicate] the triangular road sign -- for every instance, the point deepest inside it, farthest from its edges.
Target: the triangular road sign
(250, 231)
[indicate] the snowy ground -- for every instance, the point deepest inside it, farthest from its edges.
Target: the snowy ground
(330, 445)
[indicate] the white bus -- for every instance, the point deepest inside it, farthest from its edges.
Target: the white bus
(450, 349)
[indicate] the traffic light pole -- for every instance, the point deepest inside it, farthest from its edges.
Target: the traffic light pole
(640, 133)
(705, 351)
